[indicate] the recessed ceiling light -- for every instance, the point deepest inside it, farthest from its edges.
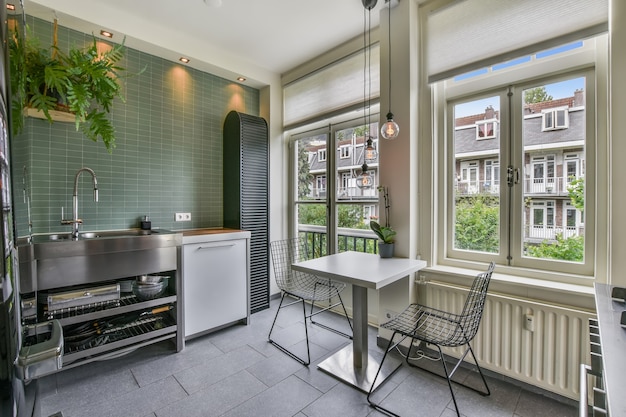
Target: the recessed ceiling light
(241, 79)
(106, 34)
(213, 3)
(10, 6)
(183, 60)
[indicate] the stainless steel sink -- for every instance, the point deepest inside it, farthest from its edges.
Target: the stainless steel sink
(53, 237)
(98, 255)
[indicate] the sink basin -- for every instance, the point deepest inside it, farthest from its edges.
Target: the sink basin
(106, 234)
(94, 235)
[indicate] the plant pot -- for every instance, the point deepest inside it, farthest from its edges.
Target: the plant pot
(385, 250)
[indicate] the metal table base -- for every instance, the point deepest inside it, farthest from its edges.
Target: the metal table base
(341, 366)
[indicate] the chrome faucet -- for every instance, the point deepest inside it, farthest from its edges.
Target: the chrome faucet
(75, 221)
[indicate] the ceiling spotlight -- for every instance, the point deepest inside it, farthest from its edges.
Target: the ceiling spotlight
(106, 34)
(241, 79)
(213, 3)
(183, 60)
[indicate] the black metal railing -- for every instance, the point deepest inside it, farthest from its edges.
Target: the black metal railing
(359, 240)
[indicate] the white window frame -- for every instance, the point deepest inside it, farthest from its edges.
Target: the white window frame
(550, 117)
(344, 151)
(522, 77)
(321, 155)
(568, 206)
(481, 124)
(491, 176)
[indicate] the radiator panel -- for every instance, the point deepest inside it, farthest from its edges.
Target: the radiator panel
(548, 356)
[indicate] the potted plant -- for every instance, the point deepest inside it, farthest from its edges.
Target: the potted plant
(386, 234)
(83, 82)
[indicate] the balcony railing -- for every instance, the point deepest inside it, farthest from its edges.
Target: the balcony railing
(541, 233)
(556, 186)
(345, 193)
(359, 240)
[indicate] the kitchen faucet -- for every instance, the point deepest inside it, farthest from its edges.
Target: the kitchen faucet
(75, 221)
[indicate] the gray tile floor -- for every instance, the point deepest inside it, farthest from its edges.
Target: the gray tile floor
(236, 372)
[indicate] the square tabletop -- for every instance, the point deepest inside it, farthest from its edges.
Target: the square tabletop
(358, 268)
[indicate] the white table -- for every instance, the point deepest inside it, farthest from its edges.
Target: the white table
(353, 364)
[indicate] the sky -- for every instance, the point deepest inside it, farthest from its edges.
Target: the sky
(556, 90)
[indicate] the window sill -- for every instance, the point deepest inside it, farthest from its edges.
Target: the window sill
(575, 295)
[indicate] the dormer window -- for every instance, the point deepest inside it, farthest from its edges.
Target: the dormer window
(321, 155)
(344, 152)
(554, 119)
(486, 129)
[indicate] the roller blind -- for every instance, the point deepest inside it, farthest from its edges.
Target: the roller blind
(471, 34)
(334, 88)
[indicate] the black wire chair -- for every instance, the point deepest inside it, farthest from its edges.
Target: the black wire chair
(303, 287)
(442, 329)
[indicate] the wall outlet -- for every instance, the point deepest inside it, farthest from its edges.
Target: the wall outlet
(390, 314)
(183, 217)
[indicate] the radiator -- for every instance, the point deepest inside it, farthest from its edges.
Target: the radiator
(530, 341)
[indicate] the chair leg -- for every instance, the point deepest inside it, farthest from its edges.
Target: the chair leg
(345, 312)
(445, 369)
(480, 372)
(468, 350)
(306, 331)
(369, 394)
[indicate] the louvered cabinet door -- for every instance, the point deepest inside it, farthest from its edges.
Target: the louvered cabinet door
(246, 190)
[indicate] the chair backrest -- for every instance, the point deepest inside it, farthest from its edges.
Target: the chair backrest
(284, 253)
(475, 303)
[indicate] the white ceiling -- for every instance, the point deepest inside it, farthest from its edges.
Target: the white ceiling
(257, 39)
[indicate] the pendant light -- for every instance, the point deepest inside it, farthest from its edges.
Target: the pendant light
(390, 129)
(365, 180)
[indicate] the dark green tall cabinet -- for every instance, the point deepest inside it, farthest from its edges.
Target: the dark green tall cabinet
(246, 190)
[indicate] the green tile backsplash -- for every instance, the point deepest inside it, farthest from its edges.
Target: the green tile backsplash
(168, 156)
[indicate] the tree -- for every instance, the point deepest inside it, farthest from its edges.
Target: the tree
(576, 191)
(570, 249)
(536, 95)
(477, 224)
(305, 178)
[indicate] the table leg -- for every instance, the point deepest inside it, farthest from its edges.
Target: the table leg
(359, 323)
(353, 364)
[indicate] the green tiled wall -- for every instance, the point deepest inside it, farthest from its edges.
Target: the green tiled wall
(168, 157)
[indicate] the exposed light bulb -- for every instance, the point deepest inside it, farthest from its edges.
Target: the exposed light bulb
(365, 180)
(370, 152)
(390, 129)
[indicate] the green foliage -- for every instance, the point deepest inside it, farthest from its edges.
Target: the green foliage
(384, 233)
(83, 81)
(305, 178)
(312, 214)
(477, 221)
(570, 249)
(536, 95)
(576, 191)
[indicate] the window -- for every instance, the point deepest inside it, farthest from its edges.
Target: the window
(321, 155)
(344, 151)
(337, 219)
(555, 119)
(528, 222)
(491, 182)
(486, 129)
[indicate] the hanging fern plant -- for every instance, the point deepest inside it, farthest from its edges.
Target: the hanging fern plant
(83, 82)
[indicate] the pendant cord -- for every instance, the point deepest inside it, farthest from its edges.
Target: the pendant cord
(389, 53)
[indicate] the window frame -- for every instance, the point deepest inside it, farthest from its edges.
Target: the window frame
(554, 116)
(583, 62)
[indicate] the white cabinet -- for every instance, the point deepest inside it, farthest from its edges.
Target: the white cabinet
(215, 271)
